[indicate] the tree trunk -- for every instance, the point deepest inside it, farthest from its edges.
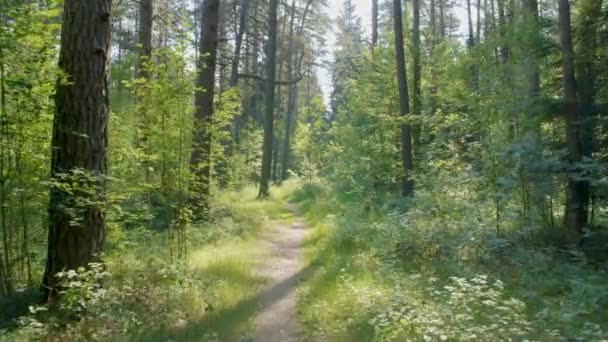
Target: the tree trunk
(442, 18)
(234, 72)
(502, 21)
(417, 70)
(587, 35)
(79, 143)
(200, 159)
(530, 8)
(145, 35)
(577, 191)
(6, 286)
(291, 97)
(269, 100)
(374, 22)
(407, 187)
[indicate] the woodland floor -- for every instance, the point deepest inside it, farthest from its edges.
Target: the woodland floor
(276, 320)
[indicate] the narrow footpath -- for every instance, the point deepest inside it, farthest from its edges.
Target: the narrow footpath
(277, 321)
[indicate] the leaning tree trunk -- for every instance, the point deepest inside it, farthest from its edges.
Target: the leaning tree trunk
(577, 191)
(269, 100)
(200, 159)
(407, 186)
(79, 143)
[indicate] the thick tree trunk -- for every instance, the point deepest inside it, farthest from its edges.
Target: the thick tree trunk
(77, 230)
(577, 191)
(145, 35)
(407, 187)
(269, 100)
(200, 159)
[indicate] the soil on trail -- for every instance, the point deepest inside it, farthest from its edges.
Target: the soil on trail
(277, 320)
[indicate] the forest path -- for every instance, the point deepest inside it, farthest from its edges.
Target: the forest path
(276, 321)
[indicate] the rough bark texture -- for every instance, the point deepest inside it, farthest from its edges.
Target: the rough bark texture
(407, 186)
(200, 159)
(271, 48)
(77, 230)
(577, 191)
(145, 35)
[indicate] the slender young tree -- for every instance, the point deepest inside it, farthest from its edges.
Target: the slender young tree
(271, 47)
(407, 187)
(78, 165)
(200, 159)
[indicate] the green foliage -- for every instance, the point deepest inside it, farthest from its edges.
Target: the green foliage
(29, 35)
(438, 271)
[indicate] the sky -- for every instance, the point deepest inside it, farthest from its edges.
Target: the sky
(363, 9)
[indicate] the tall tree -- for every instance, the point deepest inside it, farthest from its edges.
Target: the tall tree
(577, 191)
(79, 143)
(347, 54)
(374, 22)
(271, 56)
(236, 57)
(417, 70)
(407, 186)
(145, 34)
(531, 43)
(200, 159)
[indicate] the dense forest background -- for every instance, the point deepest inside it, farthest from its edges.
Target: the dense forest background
(453, 181)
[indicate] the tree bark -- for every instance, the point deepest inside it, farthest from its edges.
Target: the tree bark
(291, 97)
(407, 186)
(417, 71)
(79, 143)
(200, 159)
(236, 58)
(577, 191)
(442, 18)
(145, 35)
(374, 22)
(269, 100)
(530, 8)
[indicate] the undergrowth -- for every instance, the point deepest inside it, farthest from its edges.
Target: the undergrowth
(144, 292)
(437, 272)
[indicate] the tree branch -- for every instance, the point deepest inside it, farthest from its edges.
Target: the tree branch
(262, 79)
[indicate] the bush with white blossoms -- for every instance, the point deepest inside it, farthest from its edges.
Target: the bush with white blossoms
(463, 310)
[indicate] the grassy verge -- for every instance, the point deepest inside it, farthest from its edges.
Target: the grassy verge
(384, 274)
(151, 295)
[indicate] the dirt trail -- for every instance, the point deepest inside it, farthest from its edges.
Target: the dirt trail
(276, 321)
